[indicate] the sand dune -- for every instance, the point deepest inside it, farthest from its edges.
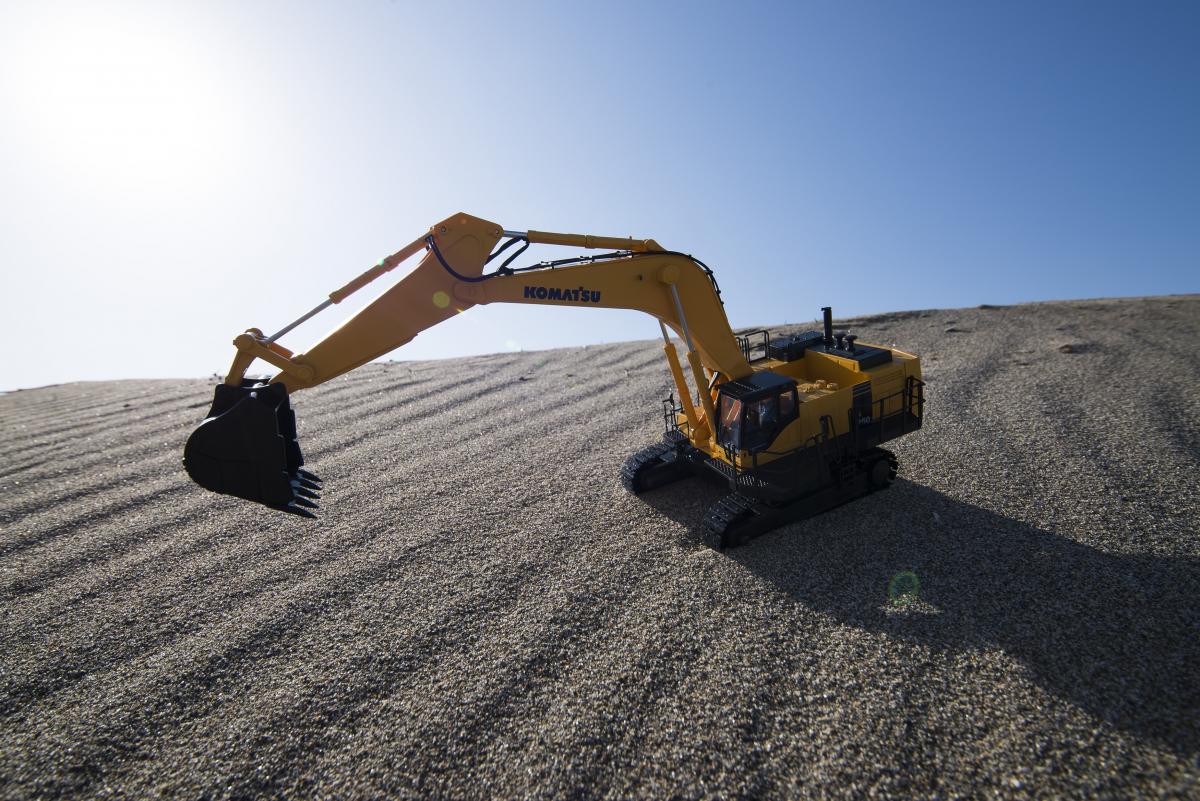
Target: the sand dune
(481, 611)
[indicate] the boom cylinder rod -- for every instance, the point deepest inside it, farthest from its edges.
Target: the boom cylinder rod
(685, 395)
(338, 295)
(687, 335)
(710, 414)
(303, 318)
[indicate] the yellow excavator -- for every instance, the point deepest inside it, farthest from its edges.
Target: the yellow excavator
(791, 424)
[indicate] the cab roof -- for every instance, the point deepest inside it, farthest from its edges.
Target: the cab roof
(761, 384)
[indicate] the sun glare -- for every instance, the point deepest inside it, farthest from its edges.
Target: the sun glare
(118, 100)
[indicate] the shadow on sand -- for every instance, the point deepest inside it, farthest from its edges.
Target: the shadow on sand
(1117, 635)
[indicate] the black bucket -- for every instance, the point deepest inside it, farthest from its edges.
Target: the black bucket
(247, 447)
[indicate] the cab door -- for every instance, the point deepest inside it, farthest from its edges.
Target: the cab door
(754, 423)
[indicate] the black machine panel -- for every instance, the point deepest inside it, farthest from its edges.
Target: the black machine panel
(757, 385)
(866, 356)
(791, 347)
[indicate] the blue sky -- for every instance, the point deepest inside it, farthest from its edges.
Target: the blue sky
(176, 173)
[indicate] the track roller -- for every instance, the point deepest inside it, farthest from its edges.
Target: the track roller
(654, 466)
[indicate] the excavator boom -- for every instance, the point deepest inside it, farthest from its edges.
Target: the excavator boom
(450, 279)
(248, 445)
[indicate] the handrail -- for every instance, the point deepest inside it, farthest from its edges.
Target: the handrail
(744, 343)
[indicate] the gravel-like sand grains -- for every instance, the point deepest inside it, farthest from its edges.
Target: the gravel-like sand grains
(481, 611)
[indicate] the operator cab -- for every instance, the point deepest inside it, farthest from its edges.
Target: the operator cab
(753, 410)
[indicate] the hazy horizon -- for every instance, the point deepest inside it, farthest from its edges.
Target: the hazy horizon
(261, 370)
(177, 173)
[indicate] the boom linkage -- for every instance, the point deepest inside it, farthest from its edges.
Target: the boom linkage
(224, 454)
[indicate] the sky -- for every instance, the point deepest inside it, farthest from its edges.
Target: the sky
(174, 173)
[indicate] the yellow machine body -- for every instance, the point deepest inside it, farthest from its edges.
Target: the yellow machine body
(676, 289)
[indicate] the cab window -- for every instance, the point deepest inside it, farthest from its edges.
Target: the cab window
(762, 420)
(731, 422)
(766, 417)
(787, 406)
(753, 426)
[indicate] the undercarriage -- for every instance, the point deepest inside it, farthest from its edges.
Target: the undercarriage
(758, 501)
(769, 489)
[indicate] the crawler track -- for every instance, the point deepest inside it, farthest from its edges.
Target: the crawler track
(736, 519)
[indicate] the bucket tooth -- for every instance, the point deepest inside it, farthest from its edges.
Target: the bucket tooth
(305, 502)
(307, 475)
(297, 510)
(304, 492)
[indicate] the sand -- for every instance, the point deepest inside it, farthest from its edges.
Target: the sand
(482, 612)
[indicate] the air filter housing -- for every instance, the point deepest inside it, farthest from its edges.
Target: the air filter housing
(791, 347)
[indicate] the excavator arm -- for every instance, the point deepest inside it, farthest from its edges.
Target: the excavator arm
(248, 447)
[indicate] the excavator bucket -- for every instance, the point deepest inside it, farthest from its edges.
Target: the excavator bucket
(247, 447)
